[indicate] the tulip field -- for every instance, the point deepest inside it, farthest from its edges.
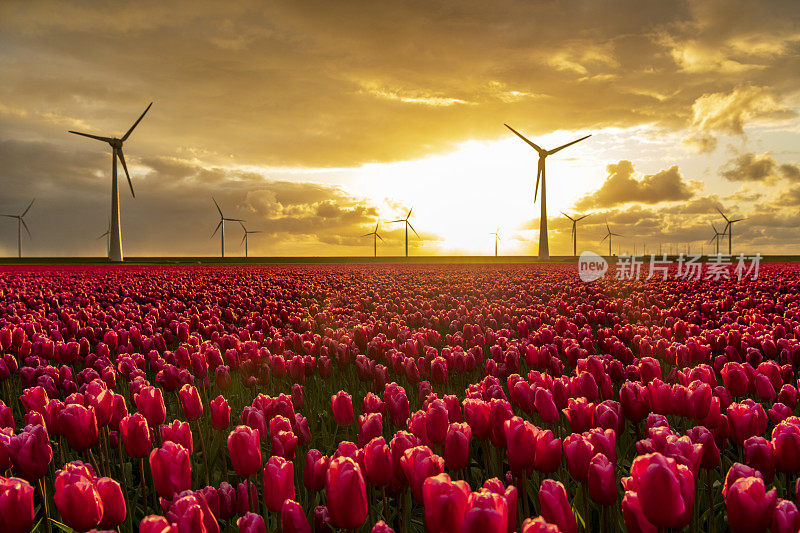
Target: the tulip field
(406, 398)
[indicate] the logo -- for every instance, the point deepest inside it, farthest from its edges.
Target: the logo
(591, 266)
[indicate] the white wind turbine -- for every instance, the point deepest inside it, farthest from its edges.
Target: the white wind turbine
(20, 224)
(221, 226)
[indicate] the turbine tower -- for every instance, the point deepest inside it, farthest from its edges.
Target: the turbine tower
(608, 236)
(574, 231)
(20, 224)
(728, 228)
(408, 225)
(716, 237)
(544, 247)
(375, 238)
(496, 234)
(221, 226)
(115, 248)
(244, 237)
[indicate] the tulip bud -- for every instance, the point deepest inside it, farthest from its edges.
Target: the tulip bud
(315, 470)
(445, 503)
(278, 483)
(456, 445)
(114, 510)
(78, 502)
(171, 468)
(293, 519)
(520, 441)
(191, 403)
(665, 490)
(602, 480)
(244, 450)
(342, 406)
(378, 462)
(150, 403)
(30, 452)
(220, 413)
(750, 507)
(16, 505)
(555, 506)
(346, 494)
(178, 432)
(418, 464)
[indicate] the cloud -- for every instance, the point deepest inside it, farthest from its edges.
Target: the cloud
(621, 187)
(755, 168)
(728, 112)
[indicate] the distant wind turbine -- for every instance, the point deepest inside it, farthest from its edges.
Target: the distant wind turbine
(375, 238)
(244, 237)
(574, 231)
(544, 247)
(107, 235)
(221, 226)
(408, 225)
(20, 224)
(115, 248)
(496, 234)
(608, 236)
(729, 228)
(716, 237)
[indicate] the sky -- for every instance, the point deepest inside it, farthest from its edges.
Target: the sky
(314, 120)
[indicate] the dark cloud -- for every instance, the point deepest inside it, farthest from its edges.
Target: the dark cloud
(621, 187)
(751, 167)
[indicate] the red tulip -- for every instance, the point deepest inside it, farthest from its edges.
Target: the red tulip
(579, 452)
(759, 454)
(436, 421)
(786, 444)
(510, 494)
(545, 405)
(16, 505)
(378, 462)
(283, 443)
(381, 527)
(322, 519)
(78, 502)
(178, 432)
(499, 412)
(191, 403)
(665, 490)
(602, 481)
(445, 503)
(191, 513)
(401, 442)
(251, 523)
(476, 413)
(555, 506)
(786, 518)
(342, 406)
(171, 468)
(547, 457)
(35, 399)
(746, 419)
(520, 441)
(79, 425)
(135, 435)
(244, 450)
(487, 512)
(315, 470)
(710, 456)
(156, 524)
(30, 452)
(346, 494)
(418, 464)
(635, 404)
(278, 483)
(150, 403)
(369, 427)
(633, 515)
(456, 445)
(220, 413)
(580, 414)
(750, 507)
(114, 510)
(293, 519)
(538, 525)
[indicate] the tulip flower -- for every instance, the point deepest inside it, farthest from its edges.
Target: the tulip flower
(190, 512)
(369, 427)
(293, 518)
(487, 512)
(785, 518)
(378, 462)
(445, 503)
(545, 405)
(456, 445)
(401, 442)
(633, 515)
(171, 468)
(381, 527)
(220, 413)
(30, 452)
(150, 403)
(79, 503)
(245, 451)
(156, 524)
(178, 432)
(750, 507)
(547, 457)
(579, 452)
(786, 444)
(315, 470)
(16, 505)
(346, 493)
(555, 507)
(322, 520)
(759, 454)
(538, 525)
(499, 411)
(580, 414)
(251, 523)
(436, 421)
(476, 414)
(342, 406)
(665, 490)
(79, 425)
(602, 481)
(520, 441)
(278, 483)
(114, 510)
(746, 419)
(191, 403)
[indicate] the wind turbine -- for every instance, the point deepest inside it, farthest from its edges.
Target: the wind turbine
(244, 237)
(608, 236)
(496, 234)
(115, 247)
(728, 228)
(107, 235)
(375, 238)
(716, 237)
(221, 226)
(408, 225)
(20, 224)
(574, 231)
(544, 247)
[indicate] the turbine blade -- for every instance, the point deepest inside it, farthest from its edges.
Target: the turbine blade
(538, 175)
(244, 238)
(412, 229)
(217, 229)
(24, 225)
(104, 139)
(28, 208)
(737, 220)
(566, 215)
(554, 150)
(378, 236)
(128, 133)
(393, 221)
(242, 225)
(409, 213)
(121, 157)
(606, 237)
(376, 226)
(233, 219)
(218, 209)
(723, 214)
(715, 229)
(103, 235)
(521, 136)
(607, 228)
(584, 216)
(367, 234)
